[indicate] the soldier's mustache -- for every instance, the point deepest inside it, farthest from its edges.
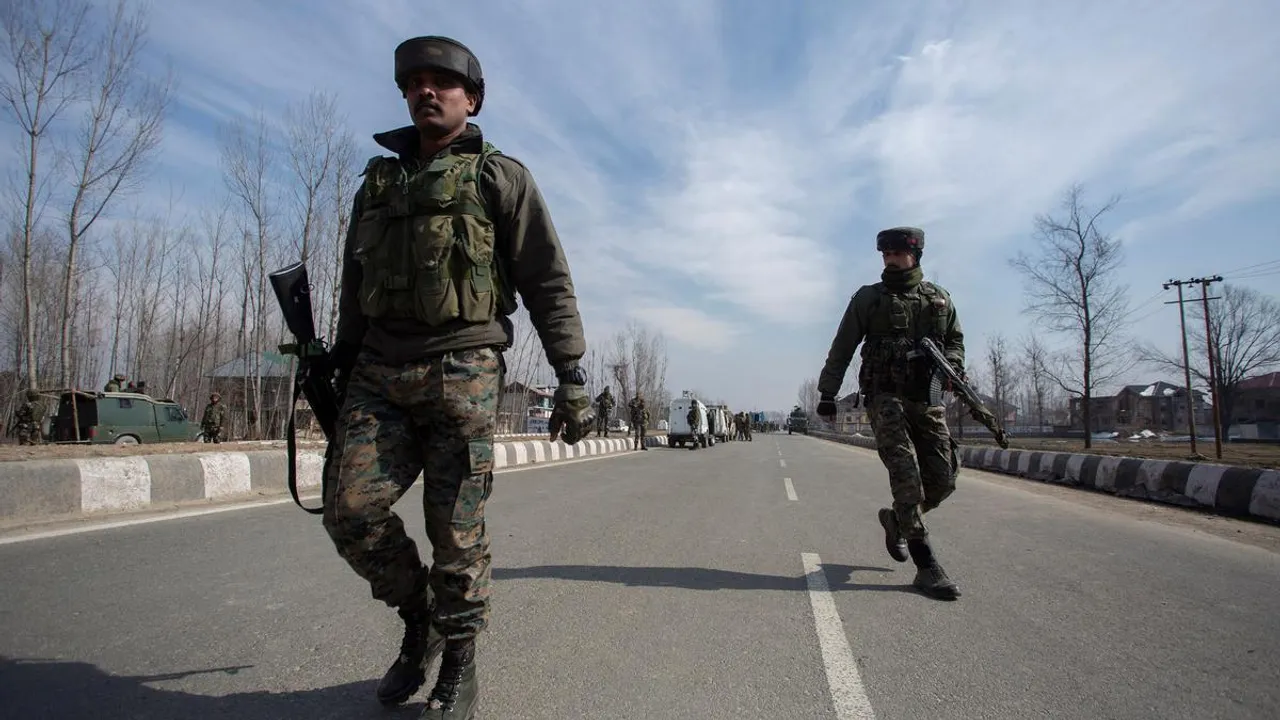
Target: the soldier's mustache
(425, 104)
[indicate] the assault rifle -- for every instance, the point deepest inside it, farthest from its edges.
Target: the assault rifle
(315, 368)
(965, 393)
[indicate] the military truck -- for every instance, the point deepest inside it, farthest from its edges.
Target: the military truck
(121, 418)
(797, 422)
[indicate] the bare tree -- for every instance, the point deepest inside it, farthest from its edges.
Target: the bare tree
(247, 163)
(1000, 373)
(1072, 287)
(808, 397)
(342, 185)
(120, 132)
(1034, 371)
(46, 50)
(620, 364)
(1245, 334)
(314, 129)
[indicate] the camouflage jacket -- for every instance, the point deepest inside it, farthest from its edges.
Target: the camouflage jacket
(888, 324)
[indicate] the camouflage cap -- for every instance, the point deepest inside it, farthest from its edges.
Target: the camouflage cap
(907, 239)
(33, 394)
(440, 53)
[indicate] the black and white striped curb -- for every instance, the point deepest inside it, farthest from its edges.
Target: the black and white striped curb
(45, 489)
(1225, 489)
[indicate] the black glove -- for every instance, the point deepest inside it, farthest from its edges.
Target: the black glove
(342, 358)
(571, 414)
(827, 408)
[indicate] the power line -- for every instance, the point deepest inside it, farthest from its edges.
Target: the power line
(1254, 266)
(1137, 308)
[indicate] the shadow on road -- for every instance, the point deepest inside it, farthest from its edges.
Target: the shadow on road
(37, 689)
(839, 577)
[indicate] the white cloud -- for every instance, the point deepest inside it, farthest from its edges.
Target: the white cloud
(691, 327)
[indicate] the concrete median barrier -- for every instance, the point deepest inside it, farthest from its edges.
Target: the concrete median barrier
(41, 490)
(1225, 489)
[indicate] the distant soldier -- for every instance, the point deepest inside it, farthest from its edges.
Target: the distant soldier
(24, 421)
(693, 417)
(113, 385)
(214, 416)
(639, 419)
(142, 387)
(604, 409)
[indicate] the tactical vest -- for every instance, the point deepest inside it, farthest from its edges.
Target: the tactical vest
(898, 321)
(425, 242)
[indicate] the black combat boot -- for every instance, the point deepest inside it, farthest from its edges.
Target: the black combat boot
(893, 541)
(930, 579)
(457, 692)
(420, 646)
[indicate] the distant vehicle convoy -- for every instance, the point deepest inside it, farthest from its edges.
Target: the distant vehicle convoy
(711, 424)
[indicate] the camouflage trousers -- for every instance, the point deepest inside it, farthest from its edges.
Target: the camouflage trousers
(918, 451)
(27, 433)
(435, 418)
(602, 423)
(212, 433)
(637, 435)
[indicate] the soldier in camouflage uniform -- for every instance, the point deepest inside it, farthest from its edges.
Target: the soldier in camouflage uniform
(639, 421)
(444, 233)
(25, 425)
(604, 408)
(113, 385)
(214, 416)
(895, 380)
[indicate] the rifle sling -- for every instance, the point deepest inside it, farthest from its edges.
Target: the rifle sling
(291, 446)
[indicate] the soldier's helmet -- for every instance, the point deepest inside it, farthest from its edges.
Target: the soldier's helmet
(119, 377)
(214, 397)
(437, 52)
(33, 395)
(904, 239)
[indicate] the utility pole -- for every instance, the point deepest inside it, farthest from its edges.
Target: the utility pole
(1186, 360)
(1211, 348)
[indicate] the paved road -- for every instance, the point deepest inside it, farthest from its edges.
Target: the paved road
(672, 583)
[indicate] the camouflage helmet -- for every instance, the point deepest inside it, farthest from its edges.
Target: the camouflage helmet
(440, 53)
(119, 377)
(215, 397)
(33, 394)
(903, 239)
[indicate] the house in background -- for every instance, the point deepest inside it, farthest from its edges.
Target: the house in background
(234, 380)
(524, 408)
(1256, 413)
(851, 417)
(1159, 406)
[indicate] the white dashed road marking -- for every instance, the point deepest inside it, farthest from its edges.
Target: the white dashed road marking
(791, 489)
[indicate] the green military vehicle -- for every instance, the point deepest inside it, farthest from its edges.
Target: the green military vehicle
(798, 422)
(121, 418)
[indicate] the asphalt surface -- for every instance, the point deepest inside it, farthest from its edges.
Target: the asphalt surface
(670, 583)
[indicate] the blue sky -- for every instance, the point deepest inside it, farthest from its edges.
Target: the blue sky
(719, 169)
